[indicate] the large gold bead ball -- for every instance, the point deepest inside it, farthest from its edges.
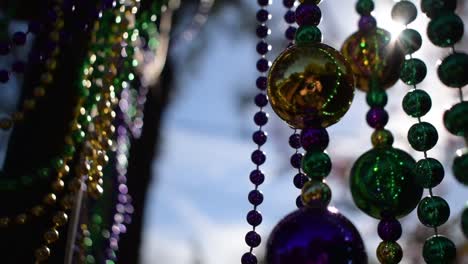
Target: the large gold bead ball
(310, 84)
(373, 55)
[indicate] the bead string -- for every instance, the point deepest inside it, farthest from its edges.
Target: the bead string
(254, 217)
(52, 49)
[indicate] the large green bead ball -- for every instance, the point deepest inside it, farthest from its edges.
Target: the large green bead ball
(453, 71)
(445, 30)
(456, 119)
(439, 250)
(417, 103)
(382, 183)
(434, 8)
(316, 164)
(460, 166)
(310, 84)
(422, 136)
(433, 211)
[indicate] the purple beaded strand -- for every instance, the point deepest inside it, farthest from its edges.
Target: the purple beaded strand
(259, 137)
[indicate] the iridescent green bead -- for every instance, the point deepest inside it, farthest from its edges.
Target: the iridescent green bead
(306, 34)
(382, 183)
(69, 150)
(389, 252)
(365, 7)
(413, 71)
(434, 8)
(44, 173)
(57, 163)
(439, 250)
(417, 103)
(382, 138)
(464, 221)
(460, 166)
(376, 98)
(428, 173)
(453, 71)
(433, 211)
(456, 119)
(316, 164)
(422, 136)
(316, 194)
(78, 136)
(404, 12)
(410, 40)
(445, 30)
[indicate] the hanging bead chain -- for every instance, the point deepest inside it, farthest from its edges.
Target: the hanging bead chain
(254, 217)
(446, 29)
(48, 57)
(433, 211)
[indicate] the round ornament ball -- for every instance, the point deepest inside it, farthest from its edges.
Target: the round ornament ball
(373, 55)
(318, 235)
(383, 184)
(310, 85)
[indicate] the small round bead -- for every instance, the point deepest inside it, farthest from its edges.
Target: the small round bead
(259, 137)
(417, 103)
(316, 164)
(410, 40)
(5, 123)
(367, 23)
(464, 222)
(422, 136)
(261, 100)
(290, 32)
(263, 15)
(453, 71)
(296, 160)
(60, 218)
(389, 252)
(314, 139)
(434, 8)
(377, 98)
(249, 258)
(295, 141)
(257, 177)
(456, 119)
(428, 173)
(389, 229)
(254, 218)
(308, 34)
(433, 211)
(413, 71)
(4, 48)
(377, 117)
(439, 249)
(261, 118)
(290, 17)
(4, 76)
(263, 65)
(258, 157)
(262, 31)
(263, 47)
(253, 239)
(365, 7)
(42, 253)
(445, 30)
(288, 3)
(255, 197)
(404, 12)
(51, 236)
(4, 222)
(316, 194)
(382, 138)
(308, 14)
(19, 38)
(299, 203)
(299, 180)
(460, 167)
(263, 2)
(262, 83)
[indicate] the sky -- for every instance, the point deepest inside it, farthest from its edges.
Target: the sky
(197, 206)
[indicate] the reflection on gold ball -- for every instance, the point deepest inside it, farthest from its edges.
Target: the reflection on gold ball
(310, 84)
(373, 54)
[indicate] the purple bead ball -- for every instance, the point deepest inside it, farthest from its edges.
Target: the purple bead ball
(389, 229)
(249, 258)
(290, 32)
(377, 118)
(296, 160)
(257, 177)
(314, 139)
(315, 236)
(308, 14)
(367, 23)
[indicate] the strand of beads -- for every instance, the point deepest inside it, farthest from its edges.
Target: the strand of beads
(47, 56)
(379, 182)
(254, 217)
(433, 211)
(446, 29)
